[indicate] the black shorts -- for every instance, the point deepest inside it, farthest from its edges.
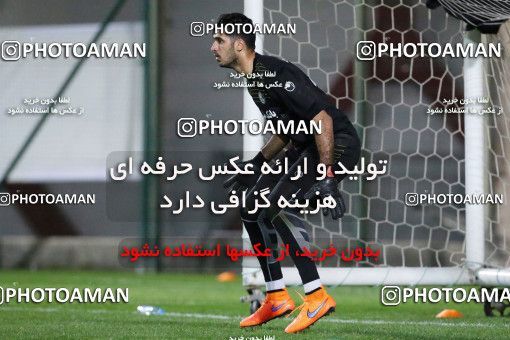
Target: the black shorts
(347, 151)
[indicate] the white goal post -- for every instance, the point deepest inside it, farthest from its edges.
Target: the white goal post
(425, 245)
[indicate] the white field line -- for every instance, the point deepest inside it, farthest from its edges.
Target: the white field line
(454, 323)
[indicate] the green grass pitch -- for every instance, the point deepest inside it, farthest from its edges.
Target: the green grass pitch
(199, 307)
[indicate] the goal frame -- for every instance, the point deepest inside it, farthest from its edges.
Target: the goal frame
(473, 270)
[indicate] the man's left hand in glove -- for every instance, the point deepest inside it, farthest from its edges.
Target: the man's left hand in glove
(328, 187)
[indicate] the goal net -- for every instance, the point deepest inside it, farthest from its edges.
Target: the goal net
(389, 101)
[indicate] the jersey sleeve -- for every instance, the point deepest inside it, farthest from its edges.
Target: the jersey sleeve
(297, 93)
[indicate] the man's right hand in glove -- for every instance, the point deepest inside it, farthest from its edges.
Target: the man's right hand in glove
(239, 182)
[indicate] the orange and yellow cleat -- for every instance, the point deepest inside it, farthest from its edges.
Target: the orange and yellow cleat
(314, 307)
(275, 305)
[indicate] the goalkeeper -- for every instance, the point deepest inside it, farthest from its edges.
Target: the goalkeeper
(297, 99)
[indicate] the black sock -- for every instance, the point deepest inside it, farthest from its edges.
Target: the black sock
(274, 291)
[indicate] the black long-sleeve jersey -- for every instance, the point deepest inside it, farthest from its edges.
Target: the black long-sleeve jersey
(297, 98)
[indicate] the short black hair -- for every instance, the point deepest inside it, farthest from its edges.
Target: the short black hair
(239, 18)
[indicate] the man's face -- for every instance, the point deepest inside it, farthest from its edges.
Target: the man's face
(223, 50)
